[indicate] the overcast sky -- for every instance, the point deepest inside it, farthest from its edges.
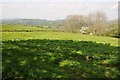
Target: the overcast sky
(56, 9)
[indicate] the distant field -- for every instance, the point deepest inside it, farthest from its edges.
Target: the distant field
(51, 35)
(49, 54)
(15, 27)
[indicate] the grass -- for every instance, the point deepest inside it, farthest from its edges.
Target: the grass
(58, 36)
(48, 54)
(43, 58)
(17, 27)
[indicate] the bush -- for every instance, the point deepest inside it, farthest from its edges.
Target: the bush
(113, 32)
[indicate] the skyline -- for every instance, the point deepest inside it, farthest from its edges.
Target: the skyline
(56, 10)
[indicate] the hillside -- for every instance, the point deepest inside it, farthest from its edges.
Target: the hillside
(34, 22)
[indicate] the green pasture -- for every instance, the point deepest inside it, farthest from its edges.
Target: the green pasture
(50, 54)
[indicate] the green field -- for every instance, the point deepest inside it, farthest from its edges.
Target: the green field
(17, 27)
(49, 54)
(59, 36)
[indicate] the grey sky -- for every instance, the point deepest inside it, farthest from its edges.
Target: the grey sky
(59, 0)
(56, 10)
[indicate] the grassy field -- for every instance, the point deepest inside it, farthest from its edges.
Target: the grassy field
(51, 54)
(17, 27)
(59, 36)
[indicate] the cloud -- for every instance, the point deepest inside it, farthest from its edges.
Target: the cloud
(115, 6)
(55, 10)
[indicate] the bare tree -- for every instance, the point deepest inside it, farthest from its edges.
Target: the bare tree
(73, 23)
(100, 24)
(95, 21)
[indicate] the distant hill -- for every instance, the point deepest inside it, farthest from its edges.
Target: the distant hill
(33, 22)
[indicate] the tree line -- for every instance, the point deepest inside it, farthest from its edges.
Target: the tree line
(96, 23)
